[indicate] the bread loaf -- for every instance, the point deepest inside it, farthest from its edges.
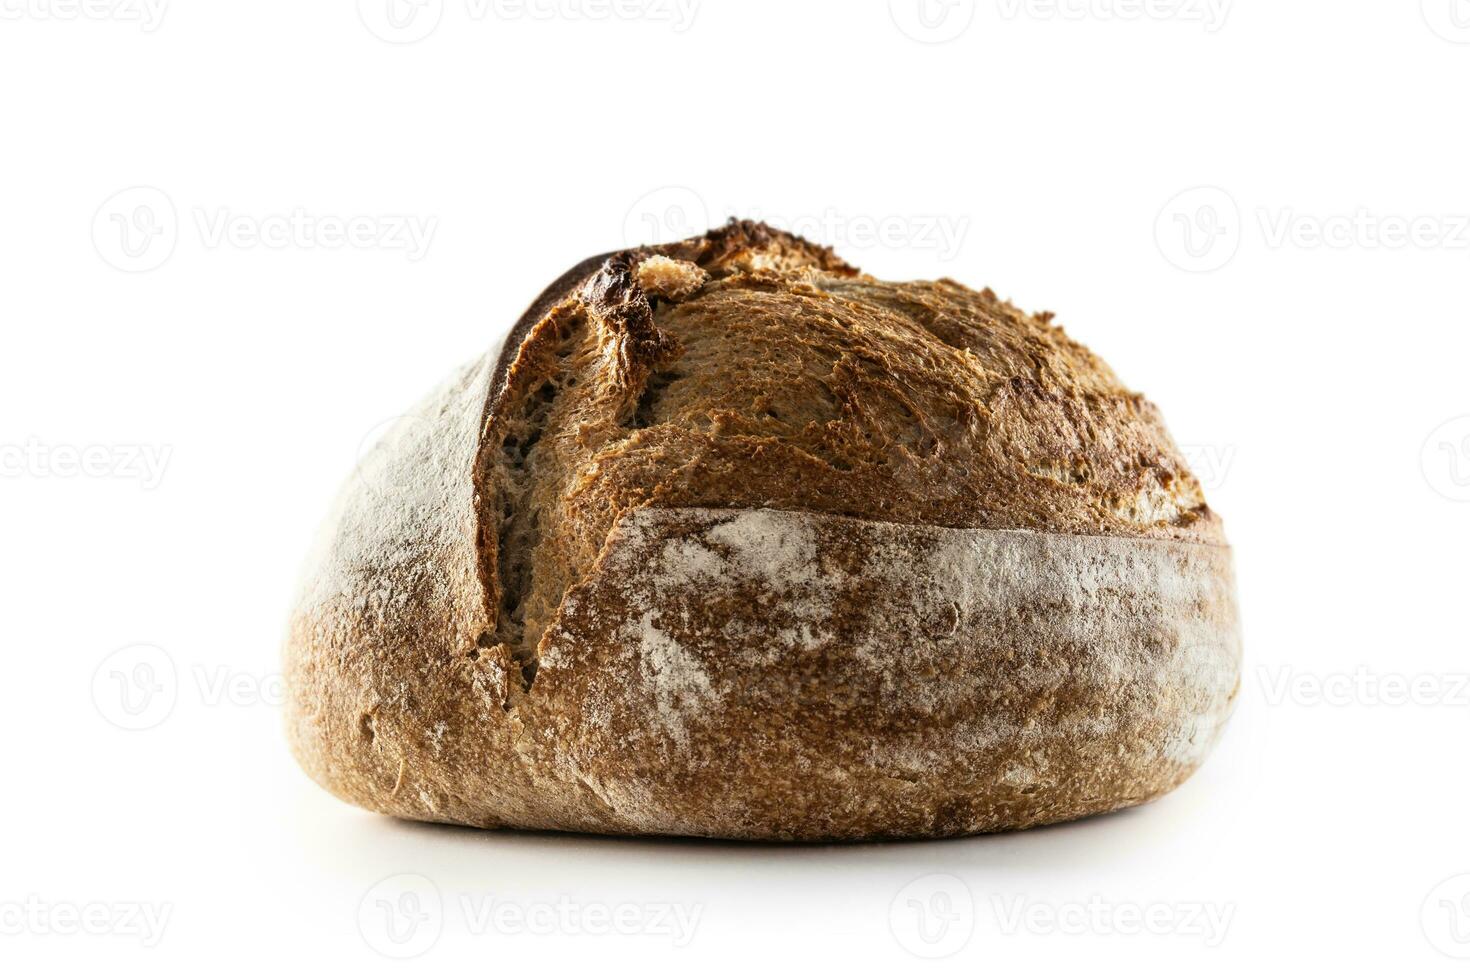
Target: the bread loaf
(731, 540)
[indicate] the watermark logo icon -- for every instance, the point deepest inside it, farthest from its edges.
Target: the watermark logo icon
(932, 21)
(667, 214)
(933, 916)
(135, 230)
(1445, 459)
(138, 229)
(1445, 917)
(1199, 229)
(136, 688)
(386, 455)
(400, 21)
(1450, 19)
(401, 916)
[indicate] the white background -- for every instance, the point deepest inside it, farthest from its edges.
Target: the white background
(179, 400)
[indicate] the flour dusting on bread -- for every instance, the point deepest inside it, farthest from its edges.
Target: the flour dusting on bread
(733, 540)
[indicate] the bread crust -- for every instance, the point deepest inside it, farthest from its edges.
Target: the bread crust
(546, 601)
(777, 674)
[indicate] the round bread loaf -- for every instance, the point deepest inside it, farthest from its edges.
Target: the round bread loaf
(730, 540)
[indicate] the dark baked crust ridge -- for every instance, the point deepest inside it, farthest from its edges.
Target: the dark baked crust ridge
(714, 248)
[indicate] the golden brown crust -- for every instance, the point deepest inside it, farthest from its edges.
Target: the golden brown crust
(787, 379)
(750, 372)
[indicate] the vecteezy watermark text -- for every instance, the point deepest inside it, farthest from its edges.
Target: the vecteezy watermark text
(137, 687)
(936, 915)
(1211, 14)
(678, 14)
(1283, 227)
(35, 916)
(942, 234)
(566, 916)
(1201, 229)
(1096, 916)
(138, 229)
(1209, 462)
(36, 459)
(298, 228)
(147, 14)
(407, 21)
(403, 915)
(1364, 687)
(672, 213)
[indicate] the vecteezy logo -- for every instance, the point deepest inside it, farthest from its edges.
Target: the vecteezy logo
(933, 916)
(400, 21)
(932, 21)
(387, 455)
(668, 214)
(135, 230)
(1445, 459)
(1199, 229)
(1450, 19)
(401, 916)
(1445, 917)
(136, 687)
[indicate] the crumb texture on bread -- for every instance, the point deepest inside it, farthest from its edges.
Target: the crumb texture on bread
(704, 477)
